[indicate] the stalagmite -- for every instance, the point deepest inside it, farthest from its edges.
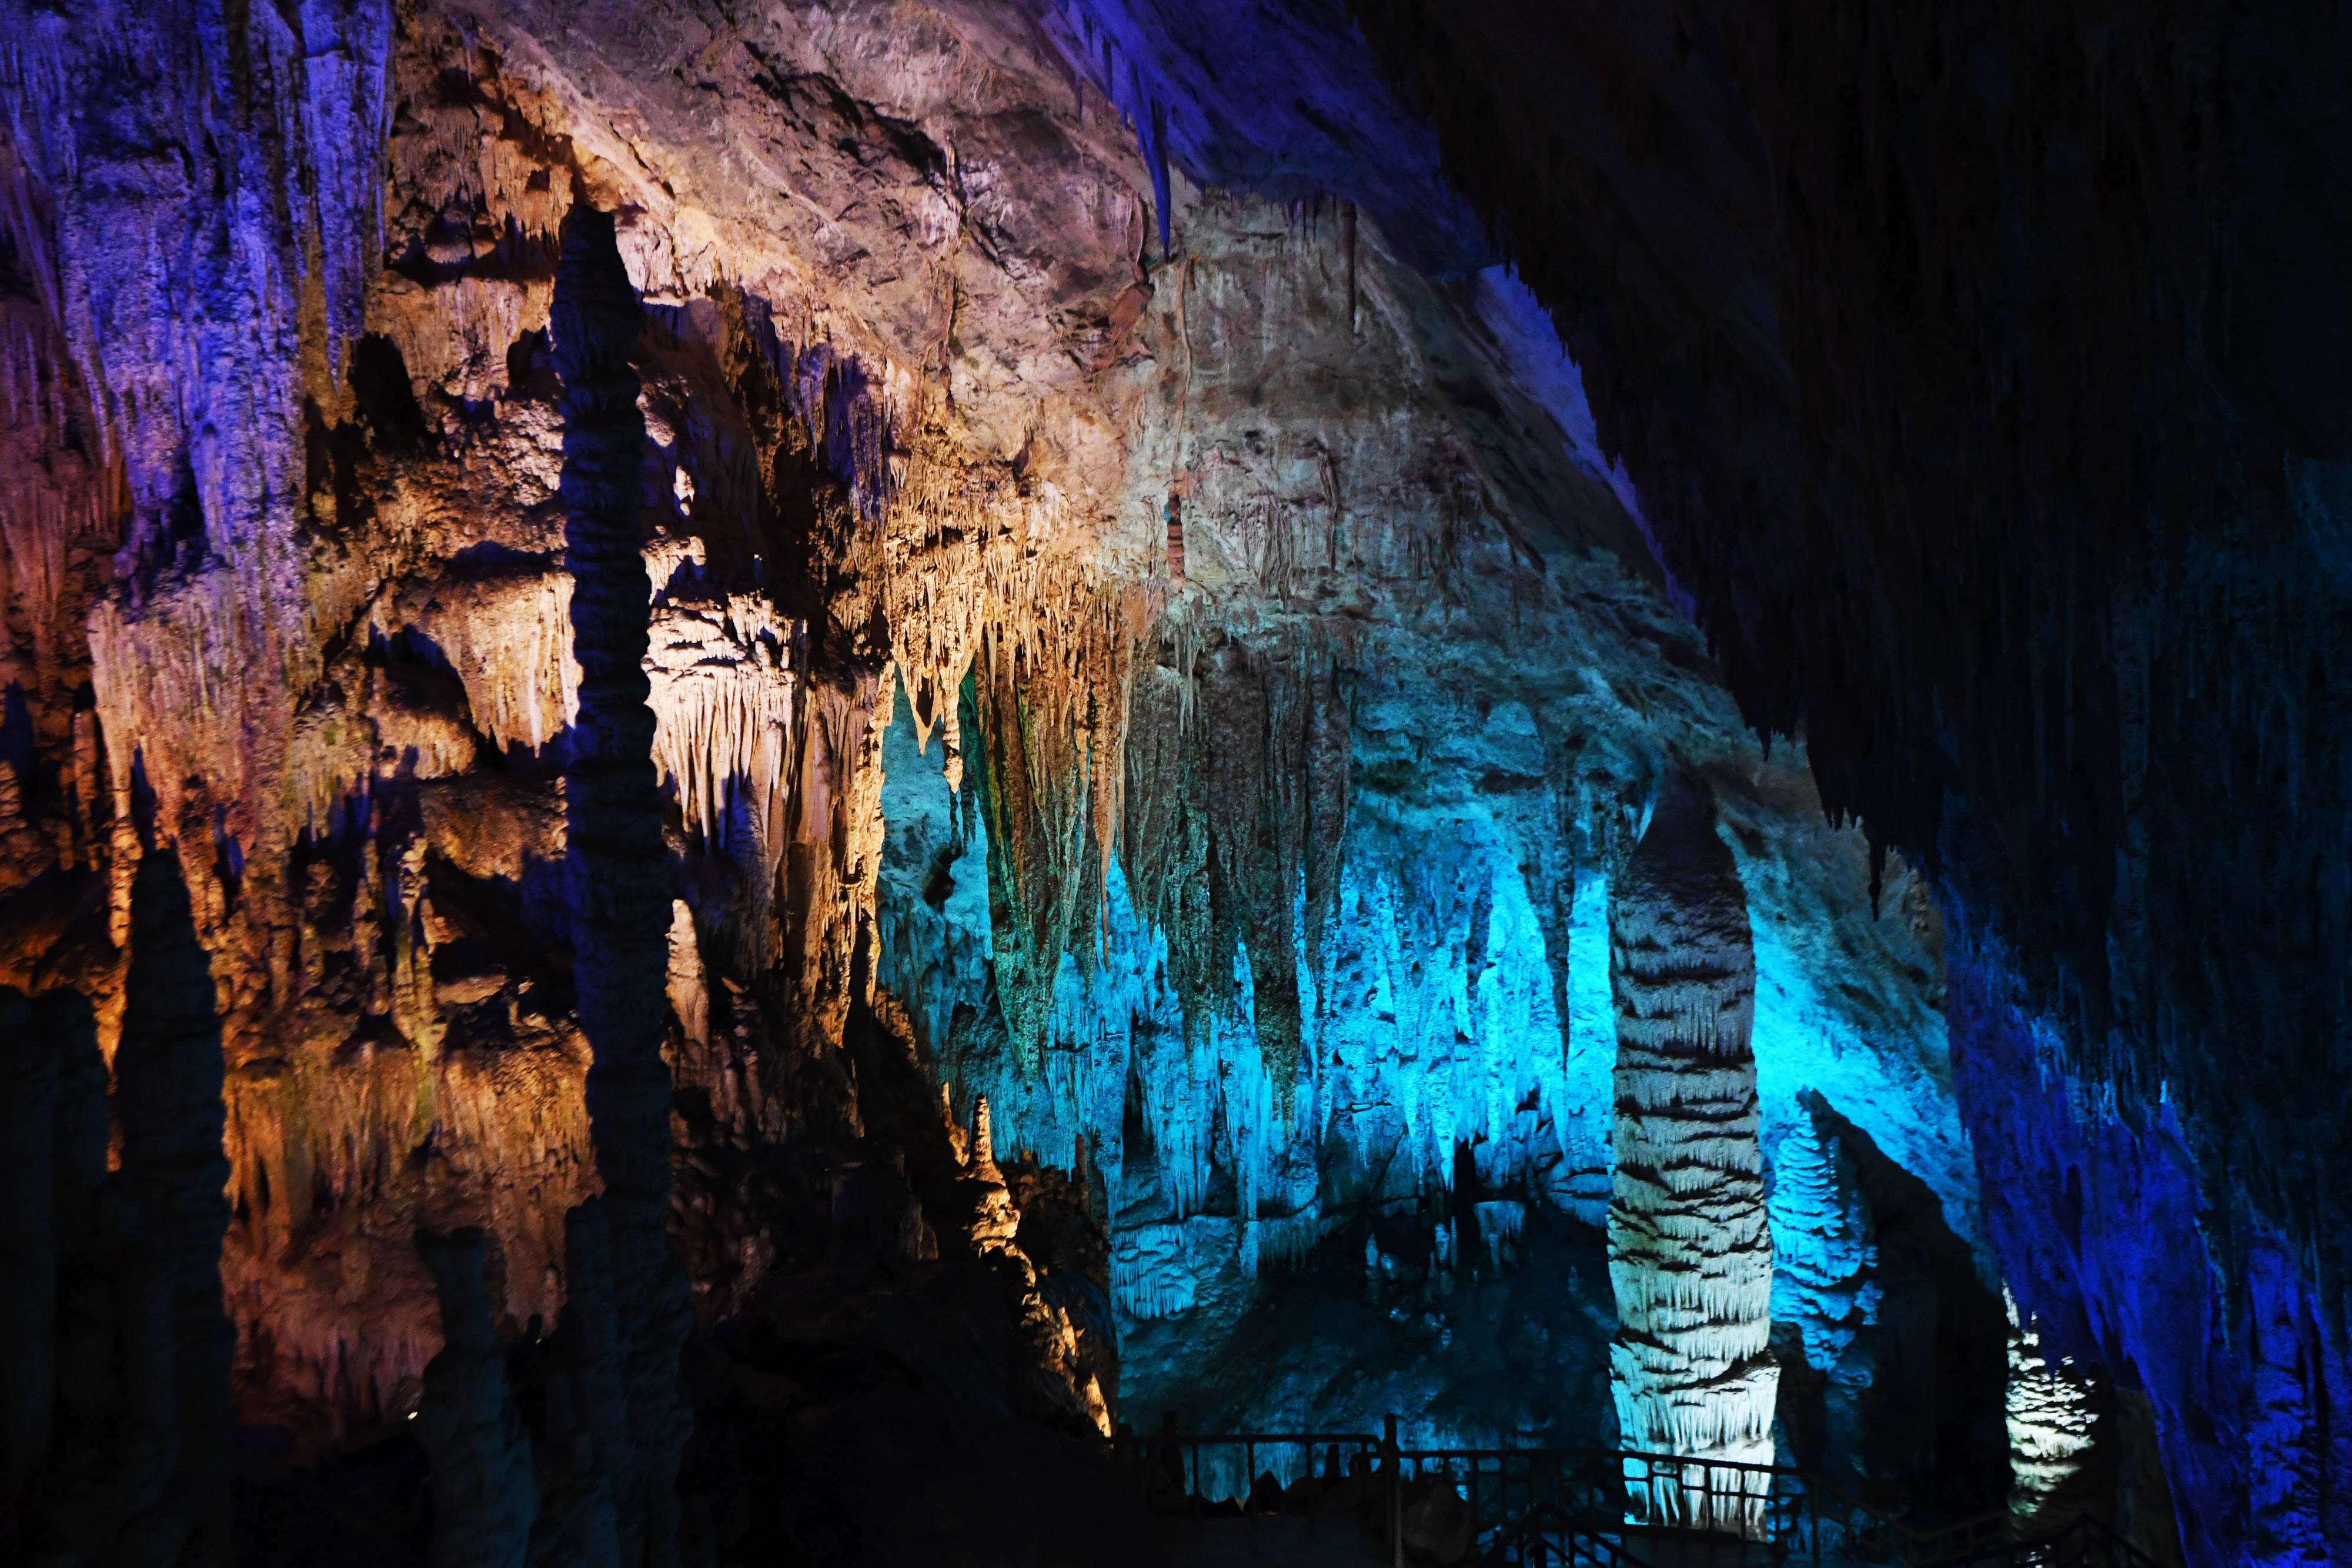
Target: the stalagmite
(619, 869)
(1690, 1256)
(167, 1075)
(484, 1500)
(2052, 1428)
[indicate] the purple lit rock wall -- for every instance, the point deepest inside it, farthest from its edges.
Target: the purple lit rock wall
(2104, 1238)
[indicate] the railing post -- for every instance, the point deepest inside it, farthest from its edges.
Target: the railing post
(1395, 1454)
(1172, 1458)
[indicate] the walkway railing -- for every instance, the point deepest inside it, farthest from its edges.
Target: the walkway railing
(1519, 1507)
(1383, 1483)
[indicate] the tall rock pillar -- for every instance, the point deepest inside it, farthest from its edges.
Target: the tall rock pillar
(1690, 1254)
(619, 870)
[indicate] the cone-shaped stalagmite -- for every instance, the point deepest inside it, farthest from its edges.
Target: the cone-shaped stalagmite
(114, 1357)
(1690, 1257)
(484, 1496)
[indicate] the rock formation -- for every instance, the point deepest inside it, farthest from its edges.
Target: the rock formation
(1979, 380)
(617, 873)
(1826, 1295)
(2053, 1427)
(117, 1391)
(1690, 1255)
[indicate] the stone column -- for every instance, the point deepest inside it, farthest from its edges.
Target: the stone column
(1690, 1255)
(619, 870)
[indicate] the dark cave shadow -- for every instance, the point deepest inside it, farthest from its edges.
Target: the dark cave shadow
(1935, 1425)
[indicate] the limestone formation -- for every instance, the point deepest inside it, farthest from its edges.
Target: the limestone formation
(484, 1500)
(1690, 1255)
(617, 873)
(2053, 1423)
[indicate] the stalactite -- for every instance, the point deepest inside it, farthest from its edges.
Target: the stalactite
(1045, 720)
(1690, 1254)
(727, 716)
(509, 637)
(1347, 243)
(619, 869)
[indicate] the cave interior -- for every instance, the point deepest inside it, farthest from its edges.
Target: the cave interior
(1024, 782)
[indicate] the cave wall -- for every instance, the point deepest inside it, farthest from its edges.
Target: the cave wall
(335, 657)
(1977, 370)
(1450, 988)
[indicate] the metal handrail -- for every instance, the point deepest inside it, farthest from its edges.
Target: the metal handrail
(2083, 1541)
(1548, 1536)
(1529, 1543)
(1177, 1459)
(1624, 1487)
(1517, 1495)
(1874, 1536)
(1607, 1488)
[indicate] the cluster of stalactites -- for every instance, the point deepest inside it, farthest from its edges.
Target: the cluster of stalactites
(1050, 715)
(1690, 1253)
(1180, 1029)
(1238, 772)
(729, 737)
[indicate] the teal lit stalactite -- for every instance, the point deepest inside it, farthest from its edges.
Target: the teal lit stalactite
(1690, 1253)
(619, 870)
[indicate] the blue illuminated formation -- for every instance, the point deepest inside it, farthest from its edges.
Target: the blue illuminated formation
(2104, 1238)
(1430, 1026)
